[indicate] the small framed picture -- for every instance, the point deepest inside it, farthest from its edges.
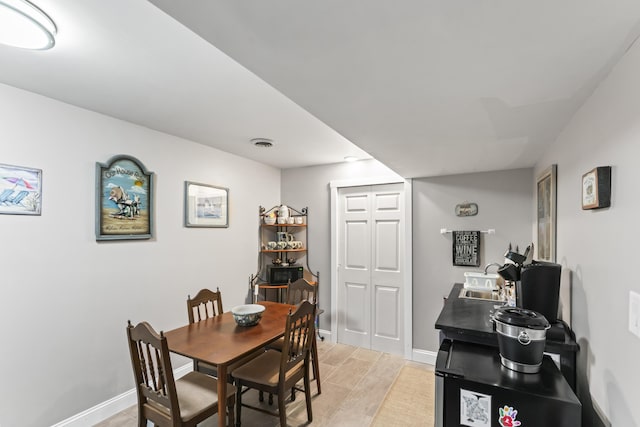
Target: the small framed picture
(205, 205)
(596, 188)
(20, 190)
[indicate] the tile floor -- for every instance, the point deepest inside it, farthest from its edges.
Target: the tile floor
(354, 384)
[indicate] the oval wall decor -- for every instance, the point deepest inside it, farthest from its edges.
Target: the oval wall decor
(467, 209)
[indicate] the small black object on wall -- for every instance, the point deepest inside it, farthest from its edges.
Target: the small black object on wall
(596, 188)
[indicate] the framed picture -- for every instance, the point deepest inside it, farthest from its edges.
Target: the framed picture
(546, 214)
(596, 188)
(124, 199)
(20, 190)
(205, 205)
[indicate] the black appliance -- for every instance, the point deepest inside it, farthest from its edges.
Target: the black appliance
(521, 338)
(474, 389)
(539, 288)
(283, 274)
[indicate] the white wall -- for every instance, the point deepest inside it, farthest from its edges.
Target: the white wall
(65, 298)
(504, 201)
(600, 247)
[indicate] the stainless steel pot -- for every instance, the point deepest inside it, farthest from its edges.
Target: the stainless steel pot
(521, 338)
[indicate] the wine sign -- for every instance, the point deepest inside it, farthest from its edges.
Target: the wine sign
(466, 248)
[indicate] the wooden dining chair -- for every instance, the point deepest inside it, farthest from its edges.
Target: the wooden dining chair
(276, 372)
(163, 400)
(204, 305)
(298, 291)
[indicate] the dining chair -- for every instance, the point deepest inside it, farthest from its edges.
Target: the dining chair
(274, 371)
(163, 400)
(204, 305)
(298, 291)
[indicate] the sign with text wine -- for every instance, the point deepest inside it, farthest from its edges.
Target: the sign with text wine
(466, 248)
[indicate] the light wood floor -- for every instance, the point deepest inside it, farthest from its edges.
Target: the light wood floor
(355, 381)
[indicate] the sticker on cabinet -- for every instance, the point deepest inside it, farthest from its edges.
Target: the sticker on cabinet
(508, 417)
(475, 409)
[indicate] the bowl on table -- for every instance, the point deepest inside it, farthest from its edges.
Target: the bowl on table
(247, 314)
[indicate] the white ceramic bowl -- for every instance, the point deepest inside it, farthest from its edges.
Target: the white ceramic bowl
(270, 220)
(247, 314)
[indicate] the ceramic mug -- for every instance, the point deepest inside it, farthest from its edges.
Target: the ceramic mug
(282, 244)
(272, 244)
(299, 220)
(290, 220)
(283, 236)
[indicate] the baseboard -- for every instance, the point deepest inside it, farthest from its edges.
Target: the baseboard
(108, 408)
(424, 356)
(324, 335)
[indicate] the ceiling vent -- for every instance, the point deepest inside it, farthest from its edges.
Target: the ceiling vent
(262, 142)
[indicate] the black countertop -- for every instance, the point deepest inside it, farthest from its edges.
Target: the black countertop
(468, 320)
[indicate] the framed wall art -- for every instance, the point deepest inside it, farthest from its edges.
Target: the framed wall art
(205, 205)
(20, 190)
(124, 199)
(546, 214)
(596, 188)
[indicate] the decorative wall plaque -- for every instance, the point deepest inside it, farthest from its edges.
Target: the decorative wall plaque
(596, 188)
(467, 209)
(124, 199)
(466, 248)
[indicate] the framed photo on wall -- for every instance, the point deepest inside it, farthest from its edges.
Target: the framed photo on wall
(124, 199)
(546, 214)
(20, 190)
(596, 188)
(205, 205)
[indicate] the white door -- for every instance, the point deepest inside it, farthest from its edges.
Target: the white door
(370, 276)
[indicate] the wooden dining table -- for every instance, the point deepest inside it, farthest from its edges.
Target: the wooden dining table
(220, 341)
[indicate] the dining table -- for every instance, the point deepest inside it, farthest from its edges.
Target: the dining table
(220, 341)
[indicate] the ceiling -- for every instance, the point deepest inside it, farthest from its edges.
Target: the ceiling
(426, 87)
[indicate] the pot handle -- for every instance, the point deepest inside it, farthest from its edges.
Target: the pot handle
(524, 338)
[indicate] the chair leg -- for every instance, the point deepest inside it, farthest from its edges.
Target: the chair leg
(238, 402)
(261, 396)
(230, 413)
(307, 396)
(282, 411)
(316, 363)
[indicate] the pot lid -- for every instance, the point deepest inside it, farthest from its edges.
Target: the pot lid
(521, 317)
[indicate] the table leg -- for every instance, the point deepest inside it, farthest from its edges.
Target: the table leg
(222, 395)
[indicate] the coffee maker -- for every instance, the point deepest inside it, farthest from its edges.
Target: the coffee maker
(539, 288)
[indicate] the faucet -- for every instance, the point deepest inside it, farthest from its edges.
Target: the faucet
(489, 265)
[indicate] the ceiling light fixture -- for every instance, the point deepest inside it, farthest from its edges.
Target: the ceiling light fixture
(23, 24)
(262, 142)
(350, 159)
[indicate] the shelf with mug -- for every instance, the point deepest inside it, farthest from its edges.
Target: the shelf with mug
(284, 225)
(282, 250)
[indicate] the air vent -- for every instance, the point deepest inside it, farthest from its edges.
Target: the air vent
(262, 142)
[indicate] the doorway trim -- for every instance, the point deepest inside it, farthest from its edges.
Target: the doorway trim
(407, 264)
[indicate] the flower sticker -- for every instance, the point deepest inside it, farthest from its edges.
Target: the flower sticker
(508, 417)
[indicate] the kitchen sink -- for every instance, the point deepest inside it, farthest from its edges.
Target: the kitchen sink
(488, 295)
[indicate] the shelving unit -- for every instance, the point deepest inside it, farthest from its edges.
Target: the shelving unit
(277, 258)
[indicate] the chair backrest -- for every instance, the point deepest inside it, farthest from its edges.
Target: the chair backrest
(155, 384)
(205, 304)
(301, 290)
(298, 335)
